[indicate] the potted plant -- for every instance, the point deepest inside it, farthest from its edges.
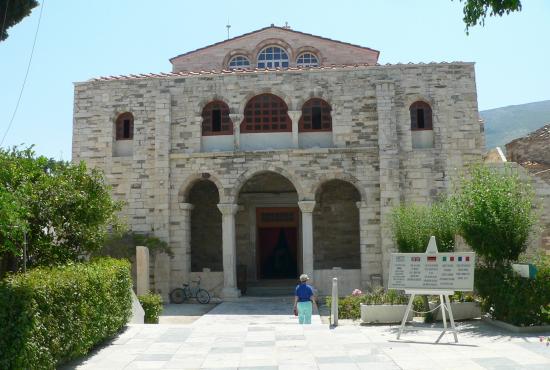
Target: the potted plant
(464, 306)
(384, 307)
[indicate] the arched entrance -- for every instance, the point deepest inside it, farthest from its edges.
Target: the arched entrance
(336, 229)
(268, 228)
(206, 227)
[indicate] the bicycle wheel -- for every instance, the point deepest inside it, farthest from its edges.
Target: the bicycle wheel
(203, 296)
(177, 295)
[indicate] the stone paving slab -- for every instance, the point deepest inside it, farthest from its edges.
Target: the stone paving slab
(264, 335)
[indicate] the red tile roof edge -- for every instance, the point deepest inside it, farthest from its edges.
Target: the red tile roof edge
(280, 28)
(255, 70)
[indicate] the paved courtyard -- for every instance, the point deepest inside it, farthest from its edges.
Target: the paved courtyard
(263, 335)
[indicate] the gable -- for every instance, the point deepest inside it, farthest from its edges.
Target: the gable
(217, 56)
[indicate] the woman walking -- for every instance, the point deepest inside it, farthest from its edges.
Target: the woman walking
(304, 299)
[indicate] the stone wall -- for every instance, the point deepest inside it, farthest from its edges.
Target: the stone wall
(371, 137)
(532, 152)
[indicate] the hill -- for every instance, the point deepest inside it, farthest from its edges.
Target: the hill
(505, 124)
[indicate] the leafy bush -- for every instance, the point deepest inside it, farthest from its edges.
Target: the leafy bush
(152, 305)
(350, 307)
(495, 214)
(413, 225)
(65, 208)
(51, 315)
(123, 245)
(511, 298)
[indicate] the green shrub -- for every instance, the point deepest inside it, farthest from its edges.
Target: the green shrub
(152, 305)
(413, 225)
(51, 315)
(495, 214)
(349, 307)
(511, 298)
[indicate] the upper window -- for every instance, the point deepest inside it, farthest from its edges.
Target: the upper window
(273, 57)
(239, 62)
(124, 126)
(421, 116)
(307, 60)
(315, 116)
(215, 119)
(266, 113)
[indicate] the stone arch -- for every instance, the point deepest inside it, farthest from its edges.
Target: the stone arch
(308, 49)
(236, 52)
(316, 94)
(336, 225)
(244, 177)
(343, 177)
(272, 42)
(204, 101)
(183, 193)
(266, 90)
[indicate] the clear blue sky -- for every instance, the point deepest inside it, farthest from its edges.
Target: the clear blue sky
(81, 39)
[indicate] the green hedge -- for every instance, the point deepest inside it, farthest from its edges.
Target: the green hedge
(152, 305)
(51, 315)
(511, 298)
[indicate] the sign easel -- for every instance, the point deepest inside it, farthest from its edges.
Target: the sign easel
(432, 273)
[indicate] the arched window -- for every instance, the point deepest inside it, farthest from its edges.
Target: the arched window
(239, 62)
(421, 116)
(215, 119)
(307, 60)
(273, 57)
(124, 126)
(315, 116)
(266, 113)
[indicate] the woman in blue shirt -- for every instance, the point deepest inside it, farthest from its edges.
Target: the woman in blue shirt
(304, 299)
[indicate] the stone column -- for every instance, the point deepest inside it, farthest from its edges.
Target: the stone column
(363, 235)
(182, 258)
(389, 168)
(307, 206)
(229, 248)
(142, 270)
(295, 117)
(236, 118)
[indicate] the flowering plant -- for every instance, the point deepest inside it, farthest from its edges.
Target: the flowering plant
(356, 292)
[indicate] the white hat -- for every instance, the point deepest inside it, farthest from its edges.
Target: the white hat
(304, 277)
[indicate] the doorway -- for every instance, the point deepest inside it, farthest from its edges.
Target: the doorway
(277, 242)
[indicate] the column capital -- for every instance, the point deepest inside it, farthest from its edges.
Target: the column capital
(236, 118)
(228, 208)
(186, 206)
(361, 204)
(306, 206)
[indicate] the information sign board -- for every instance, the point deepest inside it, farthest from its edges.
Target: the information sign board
(432, 271)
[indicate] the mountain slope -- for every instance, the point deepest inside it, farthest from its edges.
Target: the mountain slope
(502, 125)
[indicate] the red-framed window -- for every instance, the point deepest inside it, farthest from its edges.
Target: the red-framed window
(266, 113)
(216, 120)
(124, 126)
(315, 116)
(421, 116)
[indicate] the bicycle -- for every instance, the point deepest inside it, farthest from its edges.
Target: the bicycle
(179, 295)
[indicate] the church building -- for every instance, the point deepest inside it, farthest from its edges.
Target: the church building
(277, 153)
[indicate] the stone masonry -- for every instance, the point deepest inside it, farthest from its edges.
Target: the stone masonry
(371, 151)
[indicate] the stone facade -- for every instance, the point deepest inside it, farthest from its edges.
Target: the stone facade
(342, 192)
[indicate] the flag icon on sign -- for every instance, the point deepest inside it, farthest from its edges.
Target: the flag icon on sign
(452, 258)
(460, 259)
(467, 258)
(432, 258)
(444, 258)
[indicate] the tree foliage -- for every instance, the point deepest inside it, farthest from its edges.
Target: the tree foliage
(65, 208)
(475, 11)
(413, 225)
(12, 12)
(495, 213)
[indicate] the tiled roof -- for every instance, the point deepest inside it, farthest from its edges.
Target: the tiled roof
(271, 27)
(252, 70)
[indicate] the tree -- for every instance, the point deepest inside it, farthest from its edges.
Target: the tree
(475, 11)
(495, 213)
(66, 209)
(12, 12)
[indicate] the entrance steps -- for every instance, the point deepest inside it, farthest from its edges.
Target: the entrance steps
(271, 288)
